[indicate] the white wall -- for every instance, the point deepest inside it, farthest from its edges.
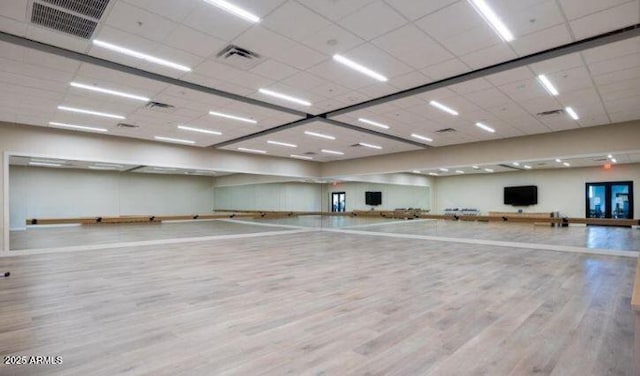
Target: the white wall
(558, 190)
(273, 196)
(58, 193)
(393, 196)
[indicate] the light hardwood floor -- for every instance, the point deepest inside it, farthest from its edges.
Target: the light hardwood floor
(319, 303)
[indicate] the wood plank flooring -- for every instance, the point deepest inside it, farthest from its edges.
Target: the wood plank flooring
(319, 303)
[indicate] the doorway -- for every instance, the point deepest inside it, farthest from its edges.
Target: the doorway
(338, 202)
(609, 200)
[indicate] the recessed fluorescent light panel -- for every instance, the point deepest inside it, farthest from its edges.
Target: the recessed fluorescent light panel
(572, 113)
(253, 150)
(548, 86)
(370, 146)
(102, 168)
(199, 130)
(108, 91)
(566, 164)
(488, 169)
(419, 137)
(78, 127)
(444, 169)
(282, 144)
(444, 108)
(558, 160)
(485, 127)
(42, 164)
(235, 10)
(415, 171)
(176, 140)
(374, 123)
(475, 167)
(528, 167)
(459, 172)
(433, 174)
(285, 97)
(140, 55)
(314, 134)
(492, 19)
(89, 112)
(516, 164)
(332, 152)
(301, 157)
(360, 68)
(614, 160)
(233, 117)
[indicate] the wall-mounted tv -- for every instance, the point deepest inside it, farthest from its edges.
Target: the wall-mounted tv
(521, 196)
(373, 198)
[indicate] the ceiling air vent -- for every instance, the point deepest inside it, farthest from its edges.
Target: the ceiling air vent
(90, 8)
(550, 113)
(310, 153)
(238, 57)
(446, 130)
(125, 125)
(509, 167)
(74, 17)
(160, 107)
(356, 146)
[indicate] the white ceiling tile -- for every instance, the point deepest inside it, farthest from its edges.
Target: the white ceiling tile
(526, 17)
(542, 40)
(373, 20)
(451, 21)
(410, 80)
(174, 10)
(489, 56)
(335, 10)
(55, 38)
(579, 8)
(607, 20)
(472, 86)
(274, 70)
(413, 10)
(12, 26)
(413, 47)
(288, 19)
(332, 39)
(511, 75)
(446, 69)
(137, 21)
(15, 9)
(303, 81)
(194, 42)
(213, 21)
(616, 64)
(613, 50)
(263, 41)
(557, 64)
(301, 56)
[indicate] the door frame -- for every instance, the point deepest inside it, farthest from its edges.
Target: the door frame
(607, 196)
(331, 201)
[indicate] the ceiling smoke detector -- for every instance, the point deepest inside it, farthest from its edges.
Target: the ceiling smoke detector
(239, 57)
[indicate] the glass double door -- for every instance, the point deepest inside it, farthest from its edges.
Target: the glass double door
(338, 202)
(610, 200)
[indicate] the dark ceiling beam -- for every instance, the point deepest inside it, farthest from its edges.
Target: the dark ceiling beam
(265, 132)
(43, 47)
(581, 45)
(372, 132)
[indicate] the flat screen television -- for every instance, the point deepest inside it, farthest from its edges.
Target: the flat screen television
(521, 196)
(373, 198)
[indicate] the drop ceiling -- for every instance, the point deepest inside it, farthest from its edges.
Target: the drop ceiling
(412, 42)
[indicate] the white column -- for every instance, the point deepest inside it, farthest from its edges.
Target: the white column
(4, 203)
